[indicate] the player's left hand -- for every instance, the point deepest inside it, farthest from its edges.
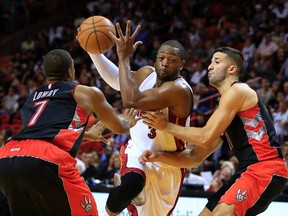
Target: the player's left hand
(95, 133)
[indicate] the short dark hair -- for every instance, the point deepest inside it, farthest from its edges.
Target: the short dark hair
(177, 45)
(56, 64)
(235, 55)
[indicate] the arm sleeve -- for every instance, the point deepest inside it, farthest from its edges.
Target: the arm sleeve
(107, 70)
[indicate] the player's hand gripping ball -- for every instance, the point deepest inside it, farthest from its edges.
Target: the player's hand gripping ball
(93, 34)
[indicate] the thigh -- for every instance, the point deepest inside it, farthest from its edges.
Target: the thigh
(15, 189)
(42, 186)
(129, 160)
(74, 189)
(213, 200)
(257, 187)
(205, 212)
(272, 191)
(224, 209)
(162, 189)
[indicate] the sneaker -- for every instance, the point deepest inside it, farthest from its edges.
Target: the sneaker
(117, 179)
(140, 199)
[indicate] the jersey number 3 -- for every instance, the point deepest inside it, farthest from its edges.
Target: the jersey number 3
(152, 133)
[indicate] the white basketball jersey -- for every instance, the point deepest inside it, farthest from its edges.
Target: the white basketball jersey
(145, 138)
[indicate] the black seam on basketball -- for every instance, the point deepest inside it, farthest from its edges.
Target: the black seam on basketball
(107, 35)
(86, 23)
(97, 21)
(86, 45)
(79, 33)
(96, 36)
(93, 22)
(93, 27)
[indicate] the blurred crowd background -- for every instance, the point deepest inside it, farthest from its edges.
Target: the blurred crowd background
(258, 28)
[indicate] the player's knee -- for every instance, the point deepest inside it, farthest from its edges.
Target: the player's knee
(120, 197)
(132, 184)
(205, 212)
(224, 209)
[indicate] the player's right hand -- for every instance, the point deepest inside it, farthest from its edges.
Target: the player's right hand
(155, 119)
(148, 156)
(130, 115)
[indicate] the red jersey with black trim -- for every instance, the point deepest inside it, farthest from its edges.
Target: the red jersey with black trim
(51, 113)
(252, 136)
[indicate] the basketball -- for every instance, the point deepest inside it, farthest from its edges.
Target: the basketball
(93, 34)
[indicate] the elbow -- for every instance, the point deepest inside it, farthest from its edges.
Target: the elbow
(204, 142)
(207, 139)
(129, 104)
(126, 105)
(131, 99)
(196, 162)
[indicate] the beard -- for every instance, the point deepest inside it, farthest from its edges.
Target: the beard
(218, 78)
(165, 77)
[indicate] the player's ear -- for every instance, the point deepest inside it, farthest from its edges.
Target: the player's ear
(182, 64)
(232, 69)
(70, 74)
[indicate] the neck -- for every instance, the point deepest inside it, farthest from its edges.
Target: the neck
(159, 82)
(55, 79)
(225, 85)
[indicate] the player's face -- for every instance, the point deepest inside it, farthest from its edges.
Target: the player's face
(168, 63)
(217, 70)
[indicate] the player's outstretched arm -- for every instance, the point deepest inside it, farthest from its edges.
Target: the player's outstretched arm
(95, 132)
(92, 99)
(126, 46)
(183, 159)
(107, 70)
(218, 122)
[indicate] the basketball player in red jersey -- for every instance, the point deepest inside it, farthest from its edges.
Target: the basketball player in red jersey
(37, 166)
(248, 128)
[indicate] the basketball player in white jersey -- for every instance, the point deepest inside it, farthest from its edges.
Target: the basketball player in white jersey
(159, 88)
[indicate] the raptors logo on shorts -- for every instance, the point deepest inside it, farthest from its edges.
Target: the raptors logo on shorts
(87, 205)
(241, 195)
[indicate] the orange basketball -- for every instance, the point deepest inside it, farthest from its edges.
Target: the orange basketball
(93, 34)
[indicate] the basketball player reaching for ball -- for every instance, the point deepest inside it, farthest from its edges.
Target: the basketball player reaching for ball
(249, 130)
(159, 88)
(37, 166)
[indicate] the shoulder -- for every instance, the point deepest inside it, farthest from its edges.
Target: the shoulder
(241, 95)
(182, 82)
(141, 74)
(87, 92)
(177, 85)
(89, 89)
(88, 97)
(178, 93)
(245, 90)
